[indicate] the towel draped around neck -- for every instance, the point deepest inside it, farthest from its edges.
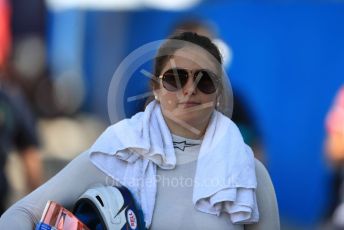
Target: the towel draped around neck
(225, 181)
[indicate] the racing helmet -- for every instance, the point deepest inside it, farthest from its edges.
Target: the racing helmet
(109, 208)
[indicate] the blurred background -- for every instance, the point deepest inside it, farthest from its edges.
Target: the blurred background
(285, 60)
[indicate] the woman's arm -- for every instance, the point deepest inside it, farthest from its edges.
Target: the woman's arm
(64, 188)
(32, 162)
(266, 201)
(334, 148)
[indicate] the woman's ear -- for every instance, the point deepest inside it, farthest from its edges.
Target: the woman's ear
(156, 97)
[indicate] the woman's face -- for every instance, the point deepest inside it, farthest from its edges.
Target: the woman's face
(188, 105)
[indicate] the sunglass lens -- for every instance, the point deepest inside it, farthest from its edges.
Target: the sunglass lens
(208, 82)
(174, 79)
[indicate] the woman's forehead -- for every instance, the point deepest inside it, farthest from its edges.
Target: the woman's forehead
(191, 58)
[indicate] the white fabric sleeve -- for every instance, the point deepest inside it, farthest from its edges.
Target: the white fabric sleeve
(266, 200)
(64, 188)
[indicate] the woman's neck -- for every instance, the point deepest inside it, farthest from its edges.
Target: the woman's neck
(194, 131)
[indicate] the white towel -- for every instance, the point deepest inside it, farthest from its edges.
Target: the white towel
(225, 179)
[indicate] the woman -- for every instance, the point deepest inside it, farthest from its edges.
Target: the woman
(184, 161)
(335, 153)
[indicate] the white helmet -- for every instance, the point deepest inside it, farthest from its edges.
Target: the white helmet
(108, 207)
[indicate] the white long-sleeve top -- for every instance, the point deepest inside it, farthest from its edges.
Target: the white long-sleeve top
(80, 174)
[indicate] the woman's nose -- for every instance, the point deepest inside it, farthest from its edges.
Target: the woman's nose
(190, 87)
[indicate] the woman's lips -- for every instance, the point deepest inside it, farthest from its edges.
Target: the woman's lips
(189, 104)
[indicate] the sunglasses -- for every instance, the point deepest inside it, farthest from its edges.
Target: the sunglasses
(175, 79)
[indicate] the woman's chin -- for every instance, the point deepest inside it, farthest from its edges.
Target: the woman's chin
(194, 120)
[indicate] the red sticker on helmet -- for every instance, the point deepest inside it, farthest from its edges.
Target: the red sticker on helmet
(132, 219)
